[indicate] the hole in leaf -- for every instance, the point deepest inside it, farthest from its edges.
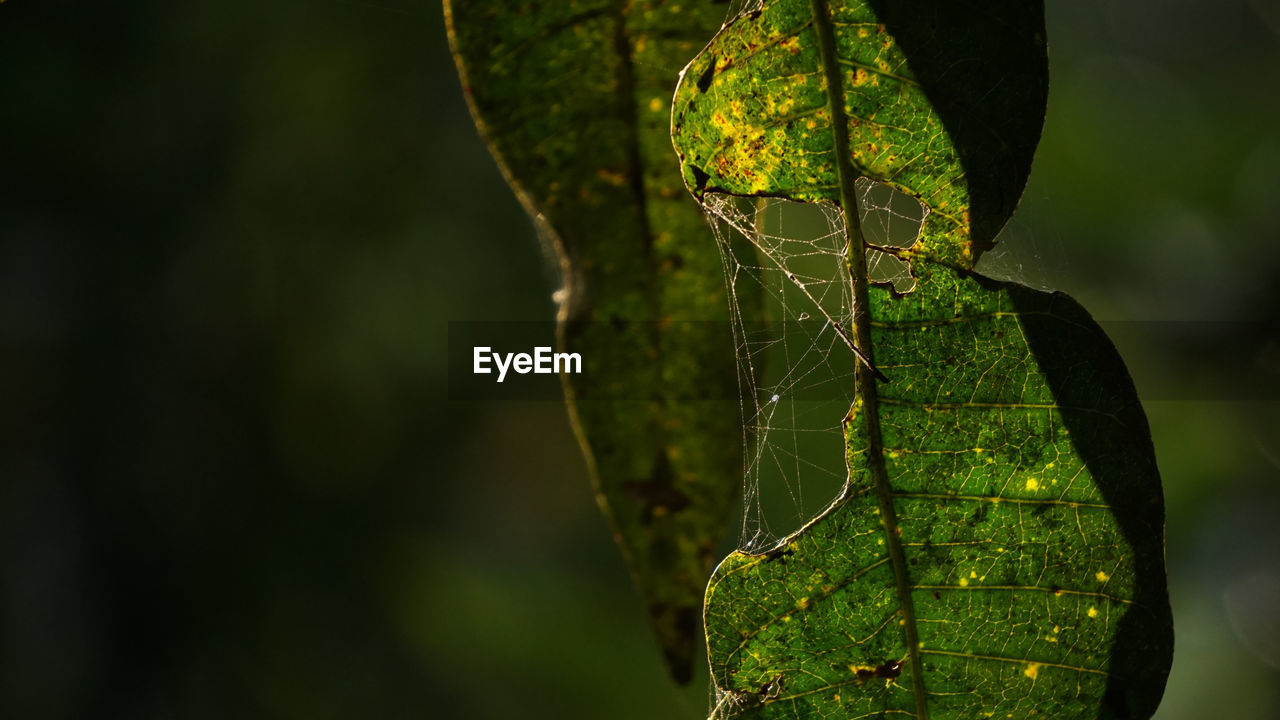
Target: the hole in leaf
(890, 270)
(890, 217)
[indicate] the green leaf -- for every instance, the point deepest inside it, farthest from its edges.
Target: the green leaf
(574, 99)
(998, 549)
(1015, 540)
(943, 101)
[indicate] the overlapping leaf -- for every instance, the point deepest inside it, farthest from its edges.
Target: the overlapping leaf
(998, 548)
(574, 100)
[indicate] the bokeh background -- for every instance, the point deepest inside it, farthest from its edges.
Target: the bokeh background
(232, 484)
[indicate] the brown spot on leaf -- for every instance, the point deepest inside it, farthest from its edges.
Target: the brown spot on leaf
(888, 670)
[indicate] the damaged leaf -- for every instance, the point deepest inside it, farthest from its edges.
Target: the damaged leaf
(942, 101)
(997, 550)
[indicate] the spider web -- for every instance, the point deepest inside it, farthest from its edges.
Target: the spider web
(794, 357)
(791, 306)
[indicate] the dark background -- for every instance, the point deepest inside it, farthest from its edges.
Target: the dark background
(232, 235)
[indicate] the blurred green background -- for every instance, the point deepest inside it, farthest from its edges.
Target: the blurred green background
(231, 483)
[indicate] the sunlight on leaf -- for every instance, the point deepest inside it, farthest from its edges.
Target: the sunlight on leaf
(935, 96)
(997, 550)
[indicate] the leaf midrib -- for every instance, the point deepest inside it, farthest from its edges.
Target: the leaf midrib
(855, 261)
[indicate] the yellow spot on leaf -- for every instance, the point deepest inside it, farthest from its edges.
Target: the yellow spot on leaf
(1102, 577)
(1032, 670)
(964, 582)
(1093, 612)
(1033, 484)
